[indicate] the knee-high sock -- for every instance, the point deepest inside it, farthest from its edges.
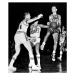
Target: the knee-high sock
(38, 60)
(32, 62)
(12, 61)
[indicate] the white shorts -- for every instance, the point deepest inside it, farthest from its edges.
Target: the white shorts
(20, 38)
(37, 41)
(61, 41)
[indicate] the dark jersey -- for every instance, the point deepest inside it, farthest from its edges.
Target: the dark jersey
(54, 24)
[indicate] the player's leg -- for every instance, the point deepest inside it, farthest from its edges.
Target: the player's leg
(61, 51)
(55, 37)
(14, 57)
(27, 44)
(45, 39)
(38, 54)
(62, 44)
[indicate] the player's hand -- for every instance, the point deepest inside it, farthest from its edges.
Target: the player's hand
(42, 47)
(32, 39)
(48, 23)
(40, 16)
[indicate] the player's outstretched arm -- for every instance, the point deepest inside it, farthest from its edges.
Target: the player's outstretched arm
(44, 26)
(36, 18)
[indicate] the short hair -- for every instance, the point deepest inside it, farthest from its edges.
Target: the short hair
(36, 22)
(26, 13)
(54, 7)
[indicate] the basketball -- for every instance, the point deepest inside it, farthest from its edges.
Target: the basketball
(53, 25)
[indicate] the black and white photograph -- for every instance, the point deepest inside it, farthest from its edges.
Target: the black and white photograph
(37, 37)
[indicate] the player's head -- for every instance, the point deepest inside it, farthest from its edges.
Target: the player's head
(54, 9)
(35, 23)
(27, 16)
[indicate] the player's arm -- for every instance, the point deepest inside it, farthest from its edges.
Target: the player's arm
(50, 18)
(65, 33)
(36, 18)
(59, 23)
(28, 38)
(44, 26)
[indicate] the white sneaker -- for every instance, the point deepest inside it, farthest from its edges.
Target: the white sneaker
(12, 69)
(30, 69)
(60, 58)
(53, 59)
(38, 66)
(35, 68)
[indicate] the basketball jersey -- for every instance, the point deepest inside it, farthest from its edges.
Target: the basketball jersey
(62, 37)
(54, 24)
(55, 18)
(35, 31)
(23, 26)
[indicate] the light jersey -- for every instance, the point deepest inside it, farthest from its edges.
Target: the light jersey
(23, 26)
(62, 37)
(35, 31)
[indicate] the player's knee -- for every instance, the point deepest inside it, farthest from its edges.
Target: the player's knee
(55, 39)
(17, 49)
(48, 33)
(14, 57)
(31, 56)
(54, 52)
(38, 55)
(60, 52)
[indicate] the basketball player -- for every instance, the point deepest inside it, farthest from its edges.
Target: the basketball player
(35, 30)
(62, 42)
(54, 29)
(22, 38)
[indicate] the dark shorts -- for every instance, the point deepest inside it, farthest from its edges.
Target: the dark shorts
(51, 30)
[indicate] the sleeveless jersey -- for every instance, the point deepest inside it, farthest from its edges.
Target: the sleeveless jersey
(35, 31)
(62, 37)
(23, 26)
(54, 24)
(55, 18)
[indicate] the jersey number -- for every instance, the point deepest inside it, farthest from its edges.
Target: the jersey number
(38, 30)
